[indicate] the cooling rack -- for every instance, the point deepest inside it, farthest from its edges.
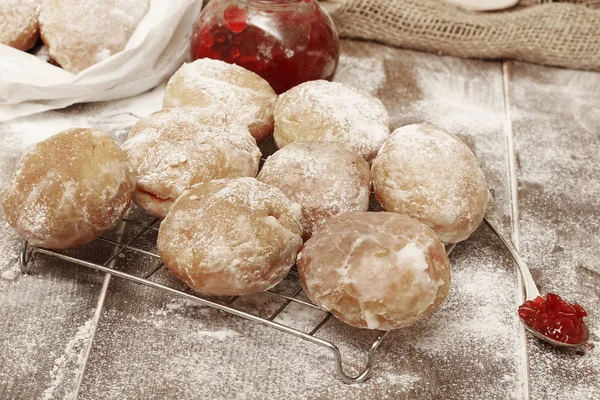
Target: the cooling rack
(27, 259)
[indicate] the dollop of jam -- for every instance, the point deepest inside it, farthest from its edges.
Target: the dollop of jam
(555, 318)
(286, 42)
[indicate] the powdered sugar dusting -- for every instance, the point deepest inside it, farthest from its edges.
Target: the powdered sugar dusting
(333, 112)
(376, 270)
(107, 24)
(557, 143)
(171, 361)
(43, 312)
(367, 73)
(18, 22)
(174, 149)
(247, 241)
(432, 176)
(262, 349)
(462, 105)
(325, 178)
(246, 96)
(72, 358)
(57, 198)
(12, 272)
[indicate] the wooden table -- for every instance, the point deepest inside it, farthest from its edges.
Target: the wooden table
(68, 332)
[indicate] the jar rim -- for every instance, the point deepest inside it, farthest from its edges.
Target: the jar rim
(283, 5)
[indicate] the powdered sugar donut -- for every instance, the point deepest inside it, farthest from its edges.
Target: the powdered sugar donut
(174, 149)
(68, 189)
(242, 93)
(331, 111)
(81, 33)
(19, 23)
(431, 175)
(325, 178)
(231, 237)
(375, 270)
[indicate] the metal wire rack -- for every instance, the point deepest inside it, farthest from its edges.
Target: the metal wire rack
(28, 254)
(227, 305)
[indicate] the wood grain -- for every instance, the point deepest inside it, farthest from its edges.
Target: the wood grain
(556, 124)
(150, 345)
(45, 321)
(47, 318)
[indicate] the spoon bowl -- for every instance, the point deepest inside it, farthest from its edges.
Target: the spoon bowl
(584, 340)
(531, 291)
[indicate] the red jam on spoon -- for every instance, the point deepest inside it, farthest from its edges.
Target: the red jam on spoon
(554, 318)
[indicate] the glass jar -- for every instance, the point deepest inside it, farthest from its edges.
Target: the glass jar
(286, 42)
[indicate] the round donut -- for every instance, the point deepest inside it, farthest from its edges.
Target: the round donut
(19, 23)
(80, 33)
(68, 189)
(205, 82)
(330, 111)
(174, 149)
(325, 178)
(375, 270)
(231, 237)
(431, 175)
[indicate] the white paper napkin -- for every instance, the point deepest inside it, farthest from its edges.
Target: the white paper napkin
(159, 46)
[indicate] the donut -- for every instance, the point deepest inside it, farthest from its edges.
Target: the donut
(431, 175)
(68, 189)
(330, 111)
(245, 95)
(80, 33)
(19, 23)
(375, 270)
(325, 178)
(174, 149)
(231, 237)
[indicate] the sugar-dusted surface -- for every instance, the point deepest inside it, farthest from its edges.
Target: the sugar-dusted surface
(431, 175)
(377, 270)
(281, 367)
(152, 346)
(556, 122)
(107, 26)
(46, 320)
(69, 189)
(47, 317)
(176, 148)
(18, 23)
(325, 178)
(244, 94)
(231, 236)
(331, 111)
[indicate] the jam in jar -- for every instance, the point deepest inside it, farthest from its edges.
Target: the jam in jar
(286, 42)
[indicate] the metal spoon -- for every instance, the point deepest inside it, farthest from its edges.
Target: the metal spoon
(531, 291)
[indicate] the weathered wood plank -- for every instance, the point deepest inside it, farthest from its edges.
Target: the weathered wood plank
(46, 323)
(556, 124)
(47, 318)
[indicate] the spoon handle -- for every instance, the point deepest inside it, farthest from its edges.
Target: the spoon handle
(531, 290)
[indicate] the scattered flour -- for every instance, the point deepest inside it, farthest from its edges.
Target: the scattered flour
(557, 144)
(12, 272)
(175, 356)
(71, 359)
(367, 74)
(33, 350)
(9, 251)
(335, 112)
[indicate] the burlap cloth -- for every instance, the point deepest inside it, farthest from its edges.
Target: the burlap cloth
(563, 33)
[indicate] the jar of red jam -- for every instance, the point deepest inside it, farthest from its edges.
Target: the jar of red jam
(287, 42)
